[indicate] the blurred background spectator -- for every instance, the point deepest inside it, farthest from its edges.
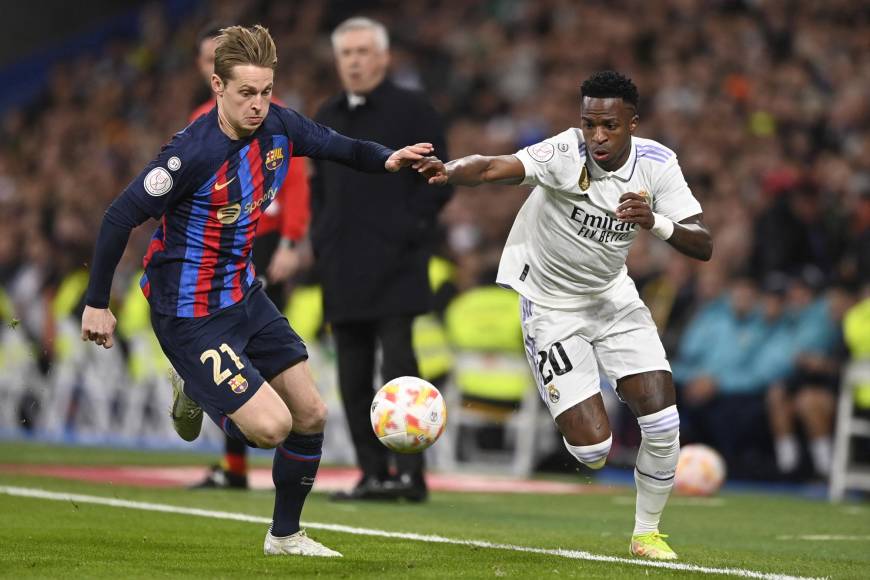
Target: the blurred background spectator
(767, 102)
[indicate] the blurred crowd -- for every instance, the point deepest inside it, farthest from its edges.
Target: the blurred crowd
(766, 102)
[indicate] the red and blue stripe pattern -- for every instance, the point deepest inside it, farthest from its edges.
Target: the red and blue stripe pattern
(213, 230)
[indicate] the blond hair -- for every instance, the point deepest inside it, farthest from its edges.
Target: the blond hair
(242, 45)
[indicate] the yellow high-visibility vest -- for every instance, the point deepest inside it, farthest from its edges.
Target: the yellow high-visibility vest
(134, 324)
(304, 311)
(856, 332)
(69, 294)
(434, 356)
(483, 325)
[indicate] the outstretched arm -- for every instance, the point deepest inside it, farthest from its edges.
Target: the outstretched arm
(473, 170)
(690, 236)
(311, 139)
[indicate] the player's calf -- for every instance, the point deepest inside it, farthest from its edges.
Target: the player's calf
(312, 419)
(655, 467)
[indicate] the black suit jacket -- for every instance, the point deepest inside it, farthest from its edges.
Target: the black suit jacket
(372, 233)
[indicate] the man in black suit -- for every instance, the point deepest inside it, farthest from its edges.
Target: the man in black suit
(372, 240)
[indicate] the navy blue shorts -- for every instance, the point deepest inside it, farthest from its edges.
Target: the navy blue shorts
(225, 357)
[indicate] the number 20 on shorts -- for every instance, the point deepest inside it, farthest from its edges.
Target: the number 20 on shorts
(558, 362)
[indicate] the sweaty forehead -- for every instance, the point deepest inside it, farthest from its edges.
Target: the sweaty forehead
(251, 75)
(604, 107)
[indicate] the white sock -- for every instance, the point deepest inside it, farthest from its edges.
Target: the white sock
(593, 456)
(655, 466)
(821, 452)
(787, 453)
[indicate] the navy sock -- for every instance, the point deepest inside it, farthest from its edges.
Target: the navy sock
(293, 471)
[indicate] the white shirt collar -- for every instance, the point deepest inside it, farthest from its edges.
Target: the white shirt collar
(354, 101)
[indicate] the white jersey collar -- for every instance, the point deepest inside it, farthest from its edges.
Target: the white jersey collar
(624, 173)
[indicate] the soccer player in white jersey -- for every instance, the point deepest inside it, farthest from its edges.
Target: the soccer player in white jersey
(595, 188)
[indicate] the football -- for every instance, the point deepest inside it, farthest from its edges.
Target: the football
(700, 471)
(408, 414)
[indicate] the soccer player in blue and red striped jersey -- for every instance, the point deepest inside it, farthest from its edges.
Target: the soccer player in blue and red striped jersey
(281, 226)
(240, 361)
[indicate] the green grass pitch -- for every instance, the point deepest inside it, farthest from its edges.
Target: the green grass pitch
(745, 533)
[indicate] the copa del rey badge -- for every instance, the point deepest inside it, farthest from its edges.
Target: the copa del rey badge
(157, 182)
(541, 152)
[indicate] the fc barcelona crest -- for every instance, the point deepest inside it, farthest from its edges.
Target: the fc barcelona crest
(274, 158)
(238, 384)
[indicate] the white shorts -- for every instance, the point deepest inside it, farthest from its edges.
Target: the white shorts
(565, 348)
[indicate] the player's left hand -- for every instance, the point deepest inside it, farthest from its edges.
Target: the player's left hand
(634, 209)
(284, 263)
(433, 169)
(98, 325)
(407, 155)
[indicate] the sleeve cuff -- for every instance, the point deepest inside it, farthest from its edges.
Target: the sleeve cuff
(528, 167)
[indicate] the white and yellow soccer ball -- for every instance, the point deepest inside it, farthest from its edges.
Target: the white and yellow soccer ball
(408, 414)
(700, 471)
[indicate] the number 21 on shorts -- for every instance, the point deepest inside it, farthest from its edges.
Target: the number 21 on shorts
(220, 374)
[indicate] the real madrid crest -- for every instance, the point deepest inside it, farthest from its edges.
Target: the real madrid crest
(584, 179)
(553, 393)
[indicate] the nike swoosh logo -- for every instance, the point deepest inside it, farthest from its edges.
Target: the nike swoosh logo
(220, 186)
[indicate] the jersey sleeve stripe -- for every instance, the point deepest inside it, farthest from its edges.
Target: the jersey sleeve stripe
(145, 285)
(654, 153)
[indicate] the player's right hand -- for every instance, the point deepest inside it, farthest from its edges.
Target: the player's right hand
(432, 169)
(98, 324)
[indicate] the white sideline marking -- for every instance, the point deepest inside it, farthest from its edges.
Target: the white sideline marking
(572, 554)
(824, 538)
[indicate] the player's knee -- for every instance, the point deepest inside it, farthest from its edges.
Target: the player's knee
(661, 429)
(312, 419)
(271, 433)
(593, 456)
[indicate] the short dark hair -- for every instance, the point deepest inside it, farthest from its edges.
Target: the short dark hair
(610, 84)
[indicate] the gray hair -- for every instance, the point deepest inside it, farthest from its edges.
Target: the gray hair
(382, 39)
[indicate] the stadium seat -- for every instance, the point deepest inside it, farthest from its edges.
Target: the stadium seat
(846, 472)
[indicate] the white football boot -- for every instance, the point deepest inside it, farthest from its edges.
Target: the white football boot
(186, 414)
(298, 544)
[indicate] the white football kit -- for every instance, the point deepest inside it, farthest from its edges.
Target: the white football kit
(565, 255)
